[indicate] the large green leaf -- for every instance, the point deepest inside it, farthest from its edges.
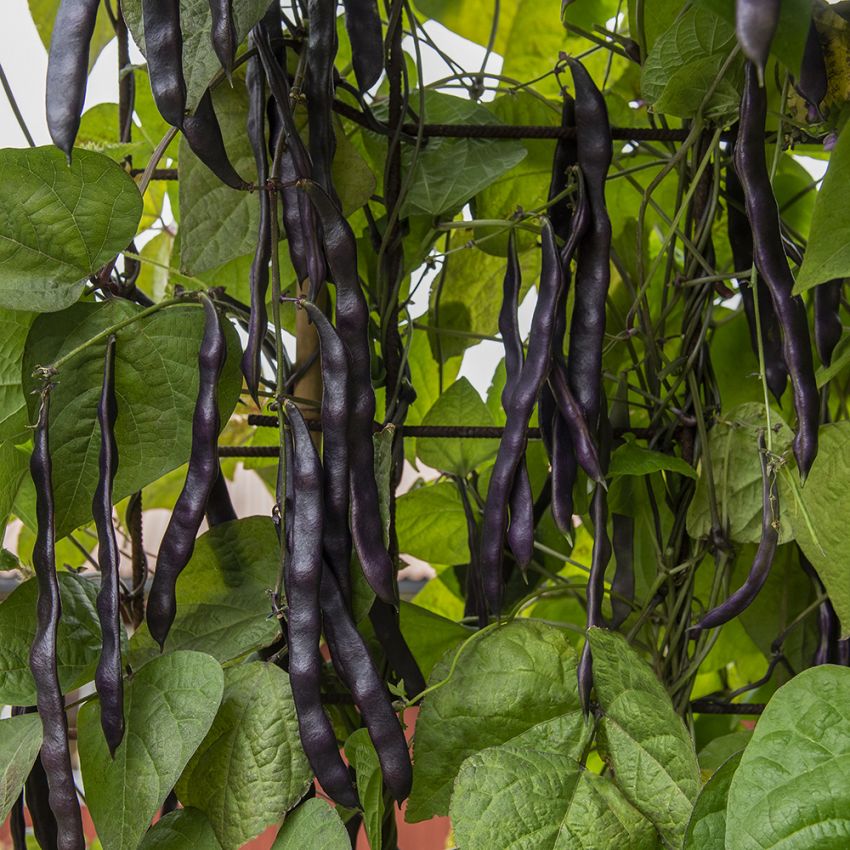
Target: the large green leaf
(361, 755)
(736, 468)
(20, 741)
(156, 382)
(790, 790)
(222, 595)
(169, 705)
(707, 826)
(14, 464)
(632, 459)
(77, 643)
(460, 404)
(183, 829)
(828, 249)
(250, 768)
(43, 14)
(642, 738)
(518, 797)
(431, 524)
(60, 224)
(684, 63)
(428, 635)
(14, 327)
(514, 685)
(829, 549)
(199, 61)
(314, 824)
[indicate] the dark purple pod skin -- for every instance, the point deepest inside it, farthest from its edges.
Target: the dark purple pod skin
(219, 505)
(321, 52)
(593, 274)
(259, 281)
(55, 751)
(37, 795)
(743, 597)
(385, 622)
(17, 824)
(564, 475)
(67, 70)
(303, 580)
(223, 33)
(741, 243)
(363, 23)
(337, 537)
(164, 51)
(751, 165)
(623, 583)
(178, 543)
(203, 133)
(108, 678)
(828, 327)
(566, 156)
(352, 324)
(355, 667)
(813, 83)
(755, 25)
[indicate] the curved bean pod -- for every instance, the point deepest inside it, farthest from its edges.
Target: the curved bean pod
(363, 23)
(223, 34)
(108, 678)
(203, 133)
(322, 46)
(67, 70)
(564, 474)
(17, 824)
(55, 752)
(828, 327)
(743, 597)
(593, 273)
(751, 165)
(755, 25)
(352, 324)
(355, 667)
(178, 543)
(813, 83)
(623, 583)
(337, 538)
(164, 51)
(385, 621)
(37, 795)
(566, 156)
(304, 624)
(219, 505)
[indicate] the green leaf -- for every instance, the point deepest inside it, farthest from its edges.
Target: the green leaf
(200, 64)
(425, 376)
(829, 550)
(684, 63)
(642, 738)
(517, 797)
(460, 404)
(77, 643)
(183, 829)
(514, 685)
(828, 249)
(707, 826)
(632, 459)
(20, 741)
(840, 360)
(429, 635)
(718, 750)
(361, 754)
(169, 705)
(61, 224)
(431, 524)
(222, 595)
(790, 790)
(464, 302)
(736, 467)
(156, 381)
(14, 464)
(314, 824)
(14, 327)
(250, 768)
(43, 14)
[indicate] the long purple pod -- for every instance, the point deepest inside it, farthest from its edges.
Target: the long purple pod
(55, 751)
(566, 156)
(108, 677)
(178, 542)
(741, 242)
(37, 792)
(352, 324)
(259, 279)
(164, 52)
(385, 621)
(594, 152)
(743, 597)
(355, 667)
(512, 445)
(828, 327)
(337, 537)
(219, 504)
(755, 26)
(363, 23)
(751, 164)
(623, 583)
(564, 474)
(223, 33)
(67, 69)
(304, 622)
(813, 82)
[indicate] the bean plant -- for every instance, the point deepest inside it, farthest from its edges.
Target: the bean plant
(280, 256)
